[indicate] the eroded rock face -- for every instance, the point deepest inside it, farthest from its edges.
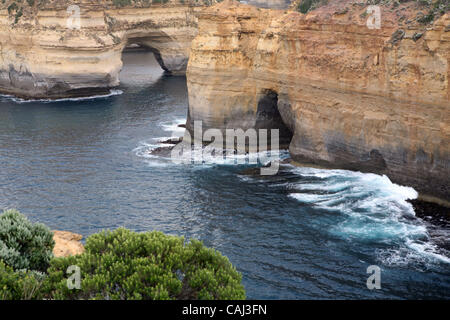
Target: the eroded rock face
(67, 244)
(41, 57)
(374, 100)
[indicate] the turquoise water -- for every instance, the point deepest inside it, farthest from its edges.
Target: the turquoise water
(84, 165)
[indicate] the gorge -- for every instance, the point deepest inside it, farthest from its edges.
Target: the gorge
(372, 100)
(85, 161)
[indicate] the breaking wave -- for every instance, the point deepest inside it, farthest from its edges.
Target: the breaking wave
(202, 156)
(369, 208)
(174, 128)
(375, 210)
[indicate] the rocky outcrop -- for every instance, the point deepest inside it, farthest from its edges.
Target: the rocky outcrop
(374, 100)
(67, 244)
(42, 56)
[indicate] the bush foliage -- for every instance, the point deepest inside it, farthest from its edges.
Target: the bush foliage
(122, 264)
(305, 6)
(118, 264)
(19, 285)
(435, 8)
(24, 245)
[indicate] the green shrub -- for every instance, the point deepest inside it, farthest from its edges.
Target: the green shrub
(124, 265)
(121, 3)
(12, 7)
(24, 245)
(304, 6)
(19, 285)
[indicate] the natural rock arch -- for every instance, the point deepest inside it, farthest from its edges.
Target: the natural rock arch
(55, 61)
(169, 53)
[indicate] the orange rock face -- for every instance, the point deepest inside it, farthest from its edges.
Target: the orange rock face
(44, 54)
(67, 244)
(374, 100)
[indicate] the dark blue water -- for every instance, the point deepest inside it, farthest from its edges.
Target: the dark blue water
(84, 166)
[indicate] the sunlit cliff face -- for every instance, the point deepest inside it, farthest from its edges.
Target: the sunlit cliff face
(373, 100)
(76, 50)
(351, 96)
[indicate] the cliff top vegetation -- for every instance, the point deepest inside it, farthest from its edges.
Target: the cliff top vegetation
(427, 10)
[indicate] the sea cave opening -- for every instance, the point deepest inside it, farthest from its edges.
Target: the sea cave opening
(142, 64)
(268, 117)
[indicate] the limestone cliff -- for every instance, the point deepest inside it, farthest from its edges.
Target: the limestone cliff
(41, 56)
(375, 100)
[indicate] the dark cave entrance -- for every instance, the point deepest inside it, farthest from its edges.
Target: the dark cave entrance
(268, 117)
(134, 45)
(148, 44)
(140, 65)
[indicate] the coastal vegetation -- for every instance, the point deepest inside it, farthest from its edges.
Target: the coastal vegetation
(24, 245)
(116, 265)
(305, 6)
(432, 8)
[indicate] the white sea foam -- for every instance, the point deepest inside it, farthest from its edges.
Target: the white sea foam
(162, 139)
(424, 253)
(376, 211)
(174, 127)
(205, 156)
(144, 150)
(114, 92)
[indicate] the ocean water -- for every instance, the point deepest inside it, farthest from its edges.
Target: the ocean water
(84, 165)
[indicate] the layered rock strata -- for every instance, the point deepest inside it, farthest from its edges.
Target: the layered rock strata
(45, 55)
(353, 97)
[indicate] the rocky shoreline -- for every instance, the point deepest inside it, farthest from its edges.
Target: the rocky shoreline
(432, 212)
